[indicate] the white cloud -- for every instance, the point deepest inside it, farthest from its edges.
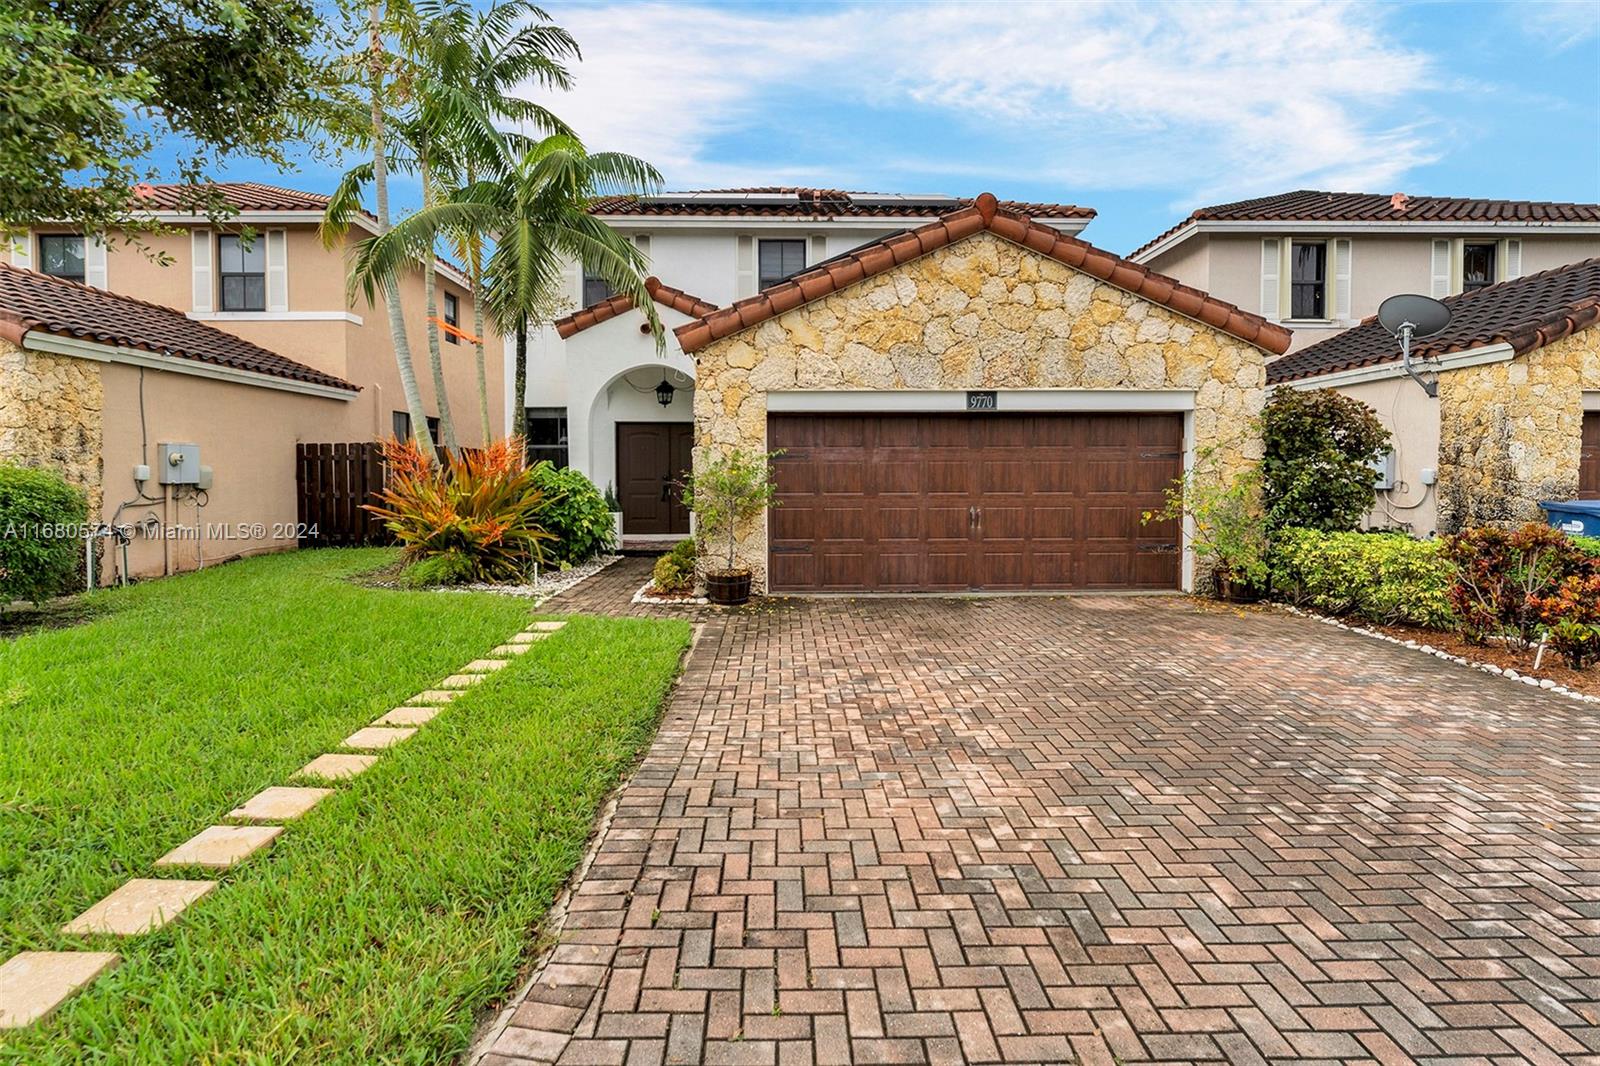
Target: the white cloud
(1556, 24)
(1212, 99)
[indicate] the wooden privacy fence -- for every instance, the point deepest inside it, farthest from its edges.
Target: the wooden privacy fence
(332, 482)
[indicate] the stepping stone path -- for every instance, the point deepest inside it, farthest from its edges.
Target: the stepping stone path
(377, 737)
(34, 983)
(337, 767)
(218, 847)
(140, 906)
(280, 804)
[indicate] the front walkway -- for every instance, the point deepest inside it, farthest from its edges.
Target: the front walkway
(1109, 830)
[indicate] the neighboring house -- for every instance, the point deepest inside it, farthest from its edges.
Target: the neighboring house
(1320, 262)
(286, 292)
(95, 386)
(1517, 417)
(593, 379)
(982, 402)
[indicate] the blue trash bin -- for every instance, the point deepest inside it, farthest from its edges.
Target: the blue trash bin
(1578, 517)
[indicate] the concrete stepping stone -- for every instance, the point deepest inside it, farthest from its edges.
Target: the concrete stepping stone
(461, 680)
(218, 847)
(375, 737)
(524, 638)
(34, 983)
(408, 716)
(485, 666)
(434, 695)
(337, 767)
(546, 627)
(140, 906)
(510, 649)
(280, 803)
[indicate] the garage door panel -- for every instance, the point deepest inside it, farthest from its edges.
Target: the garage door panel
(1058, 498)
(793, 521)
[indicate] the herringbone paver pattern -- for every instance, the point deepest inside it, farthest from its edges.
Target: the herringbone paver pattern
(1085, 829)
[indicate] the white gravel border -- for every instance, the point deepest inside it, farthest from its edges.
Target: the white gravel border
(1438, 653)
(550, 583)
(644, 596)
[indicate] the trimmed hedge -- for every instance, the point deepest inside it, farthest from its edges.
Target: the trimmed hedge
(41, 534)
(1387, 578)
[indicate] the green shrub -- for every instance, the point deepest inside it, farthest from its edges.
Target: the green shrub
(449, 568)
(1502, 575)
(1316, 472)
(41, 534)
(575, 512)
(1386, 578)
(1228, 529)
(1589, 546)
(674, 572)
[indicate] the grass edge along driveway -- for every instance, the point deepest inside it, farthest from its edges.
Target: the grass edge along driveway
(379, 925)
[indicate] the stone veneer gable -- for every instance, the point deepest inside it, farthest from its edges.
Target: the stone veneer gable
(1511, 433)
(982, 313)
(51, 415)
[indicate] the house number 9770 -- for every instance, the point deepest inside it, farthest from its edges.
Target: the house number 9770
(982, 401)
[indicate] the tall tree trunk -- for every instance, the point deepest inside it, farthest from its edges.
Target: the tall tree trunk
(475, 276)
(391, 287)
(430, 280)
(519, 409)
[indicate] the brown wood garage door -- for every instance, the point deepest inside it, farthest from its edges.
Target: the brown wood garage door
(957, 502)
(1589, 459)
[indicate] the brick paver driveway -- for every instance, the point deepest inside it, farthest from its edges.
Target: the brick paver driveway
(1092, 829)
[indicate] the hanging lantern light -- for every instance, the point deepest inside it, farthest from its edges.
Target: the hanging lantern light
(664, 392)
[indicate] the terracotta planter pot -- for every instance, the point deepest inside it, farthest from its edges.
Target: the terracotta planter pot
(728, 587)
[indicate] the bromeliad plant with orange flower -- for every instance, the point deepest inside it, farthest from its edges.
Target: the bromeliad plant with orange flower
(472, 516)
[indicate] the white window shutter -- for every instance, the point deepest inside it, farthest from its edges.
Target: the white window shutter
(200, 249)
(1440, 271)
(94, 262)
(1341, 281)
(1513, 259)
(1270, 260)
(641, 241)
(22, 250)
(277, 270)
(746, 268)
(818, 251)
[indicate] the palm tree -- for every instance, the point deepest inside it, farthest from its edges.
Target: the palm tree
(536, 213)
(467, 65)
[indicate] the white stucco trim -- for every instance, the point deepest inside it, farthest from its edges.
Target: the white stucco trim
(910, 401)
(1489, 353)
(1270, 227)
(108, 353)
(1591, 401)
(276, 316)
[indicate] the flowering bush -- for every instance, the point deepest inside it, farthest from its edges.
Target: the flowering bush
(1571, 615)
(1502, 577)
(1386, 578)
(478, 513)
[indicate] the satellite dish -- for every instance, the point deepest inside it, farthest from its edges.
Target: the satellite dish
(1425, 315)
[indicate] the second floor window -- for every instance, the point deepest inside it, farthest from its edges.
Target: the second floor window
(452, 317)
(61, 256)
(242, 273)
(776, 260)
(1477, 266)
(1308, 280)
(595, 288)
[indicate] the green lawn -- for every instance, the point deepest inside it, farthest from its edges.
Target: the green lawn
(380, 923)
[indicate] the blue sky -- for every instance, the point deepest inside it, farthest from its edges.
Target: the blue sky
(1140, 110)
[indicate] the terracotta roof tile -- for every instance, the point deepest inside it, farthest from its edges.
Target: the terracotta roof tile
(39, 303)
(243, 195)
(986, 213)
(1526, 313)
(1311, 205)
(597, 313)
(792, 201)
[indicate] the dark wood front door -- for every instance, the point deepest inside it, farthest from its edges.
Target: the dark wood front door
(653, 458)
(1589, 460)
(958, 502)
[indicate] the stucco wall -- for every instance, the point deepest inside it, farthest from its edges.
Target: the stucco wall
(1412, 419)
(981, 313)
(50, 416)
(1511, 433)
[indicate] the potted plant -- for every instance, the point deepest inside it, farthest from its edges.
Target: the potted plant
(726, 493)
(1228, 530)
(615, 507)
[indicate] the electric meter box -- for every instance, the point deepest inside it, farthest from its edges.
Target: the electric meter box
(177, 464)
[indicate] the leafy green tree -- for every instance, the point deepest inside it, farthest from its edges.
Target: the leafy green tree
(1317, 472)
(535, 211)
(91, 88)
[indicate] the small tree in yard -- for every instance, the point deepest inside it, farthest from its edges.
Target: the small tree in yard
(1317, 472)
(729, 491)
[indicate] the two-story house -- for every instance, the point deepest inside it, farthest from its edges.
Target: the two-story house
(604, 400)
